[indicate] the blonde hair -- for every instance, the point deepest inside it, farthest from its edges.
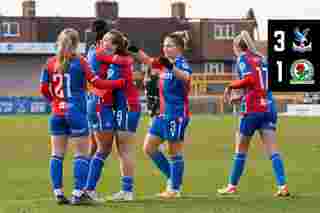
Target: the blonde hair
(245, 36)
(67, 48)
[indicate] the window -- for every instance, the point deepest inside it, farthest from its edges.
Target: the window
(218, 29)
(10, 29)
(224, 31)
(217, 68)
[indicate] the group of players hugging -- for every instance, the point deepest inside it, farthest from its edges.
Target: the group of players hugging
(95, 105)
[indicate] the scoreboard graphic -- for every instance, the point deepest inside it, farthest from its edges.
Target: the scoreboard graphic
(294, 55)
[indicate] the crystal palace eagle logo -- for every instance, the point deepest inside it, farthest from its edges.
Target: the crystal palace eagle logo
(302, 40)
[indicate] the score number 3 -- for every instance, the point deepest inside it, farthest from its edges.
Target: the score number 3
(280, 45)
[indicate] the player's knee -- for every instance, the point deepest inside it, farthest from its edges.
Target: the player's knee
(148, 149)
(104, 147)
(151, 144)
(242, 147)
(104, 137)
(175, 148)
(58, 154)
(82, 147)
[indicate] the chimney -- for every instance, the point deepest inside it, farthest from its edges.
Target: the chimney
(106, 9)
(29, 8)
(178, 10)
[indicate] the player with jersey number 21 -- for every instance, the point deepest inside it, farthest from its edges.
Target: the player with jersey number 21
(63, 84)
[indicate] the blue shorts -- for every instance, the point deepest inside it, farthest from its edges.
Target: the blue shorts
(251, 122)
(72, 124)
(105, 119)
(99, 121)
(126, 121)
(169, 129)
(92, 113)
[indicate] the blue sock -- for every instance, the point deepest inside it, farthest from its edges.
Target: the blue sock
(56, 171)
(238, 167)
(278, 169)
(161, 162)
(80, 171)
(126, 183)
(176, 171)
(95, 170)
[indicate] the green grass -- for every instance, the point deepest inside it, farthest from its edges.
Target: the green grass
(25, 186)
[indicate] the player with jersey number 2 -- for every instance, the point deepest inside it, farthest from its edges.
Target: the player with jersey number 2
(63, 84)
(258, 112)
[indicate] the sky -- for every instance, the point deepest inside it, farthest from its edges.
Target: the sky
(264, 9)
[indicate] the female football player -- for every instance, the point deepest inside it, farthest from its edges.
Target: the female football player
(99, 28)
(171, 123)
(258, 112)
(63, 84)
(125, 114)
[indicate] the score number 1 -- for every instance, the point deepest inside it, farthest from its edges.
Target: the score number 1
(279, 47)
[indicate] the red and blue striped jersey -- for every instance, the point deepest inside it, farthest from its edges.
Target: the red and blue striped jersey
(254, 97)
(122, 67)
(67, 90)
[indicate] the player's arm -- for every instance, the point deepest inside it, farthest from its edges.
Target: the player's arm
(144, 57)
(96, 81)
(246, 69)
(243, 83)
(246, 82)
(182, 71)
(44, 84)
(112, 59)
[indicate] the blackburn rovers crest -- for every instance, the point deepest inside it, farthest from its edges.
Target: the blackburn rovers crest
(302, 72)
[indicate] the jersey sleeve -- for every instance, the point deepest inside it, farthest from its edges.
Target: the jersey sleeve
(112, 59)
(184, 66)
(44, 77)
(44, 83)
(96, 81)
(244, 66)
(91, 57)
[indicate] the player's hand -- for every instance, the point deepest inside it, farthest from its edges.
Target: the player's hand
(166, 62)
(227, 94)
(99, 44)
(100, 51)
(156, 66)
(234, 100)
(235, 97)
(133, 49)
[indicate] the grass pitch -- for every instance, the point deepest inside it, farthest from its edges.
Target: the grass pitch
(25, 186)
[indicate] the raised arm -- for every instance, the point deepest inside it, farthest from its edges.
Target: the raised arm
(181, 70)
(112, 59)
